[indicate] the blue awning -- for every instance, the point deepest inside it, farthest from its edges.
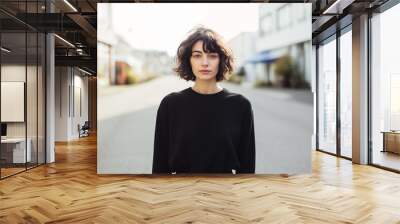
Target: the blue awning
(263, 57)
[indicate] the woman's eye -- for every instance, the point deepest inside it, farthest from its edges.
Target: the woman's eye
(196, 56)
(213, 55)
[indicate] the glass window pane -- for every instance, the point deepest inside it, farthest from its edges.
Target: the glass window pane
(327, 97)
(386, 89)
(13, 86)
(346, 94)
(23, 89)
(31, 101)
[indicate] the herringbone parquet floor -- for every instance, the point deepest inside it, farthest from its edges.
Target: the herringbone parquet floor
(70, 191)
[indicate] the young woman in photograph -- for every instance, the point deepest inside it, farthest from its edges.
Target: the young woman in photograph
(204, 128)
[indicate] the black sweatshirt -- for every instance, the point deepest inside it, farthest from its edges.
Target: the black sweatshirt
(204, 133)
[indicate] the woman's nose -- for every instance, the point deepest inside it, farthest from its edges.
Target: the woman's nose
(204, 61)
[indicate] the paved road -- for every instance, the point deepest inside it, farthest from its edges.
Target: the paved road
(283, 126)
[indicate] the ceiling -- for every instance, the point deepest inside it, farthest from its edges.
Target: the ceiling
(76, 24)
(328, 16)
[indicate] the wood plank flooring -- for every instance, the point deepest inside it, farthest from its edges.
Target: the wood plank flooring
(10, 171)
(70, 191)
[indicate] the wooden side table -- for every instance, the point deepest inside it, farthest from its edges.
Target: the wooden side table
(391, 141)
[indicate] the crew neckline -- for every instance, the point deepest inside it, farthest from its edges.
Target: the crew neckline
(206, 94)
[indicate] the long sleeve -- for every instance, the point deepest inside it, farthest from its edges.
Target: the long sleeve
(247, 149)
(161, 140)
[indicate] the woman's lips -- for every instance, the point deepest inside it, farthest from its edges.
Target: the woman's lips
(205, 71)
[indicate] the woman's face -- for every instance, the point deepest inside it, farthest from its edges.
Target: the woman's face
(204, 65)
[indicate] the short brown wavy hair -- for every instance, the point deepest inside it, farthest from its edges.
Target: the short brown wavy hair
(212, 43)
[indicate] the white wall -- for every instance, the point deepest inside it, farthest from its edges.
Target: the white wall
(14, 73)
(80, 103)
(12, 101)
(17, 73)
(69, 85)
(61, 103)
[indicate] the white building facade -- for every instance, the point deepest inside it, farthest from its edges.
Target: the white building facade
(243, 47)
(285, 28)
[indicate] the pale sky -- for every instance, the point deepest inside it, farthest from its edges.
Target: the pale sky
(158, 26)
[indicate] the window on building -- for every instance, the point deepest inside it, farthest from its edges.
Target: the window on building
(299, 12)
(284, 16)
(267, 24)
